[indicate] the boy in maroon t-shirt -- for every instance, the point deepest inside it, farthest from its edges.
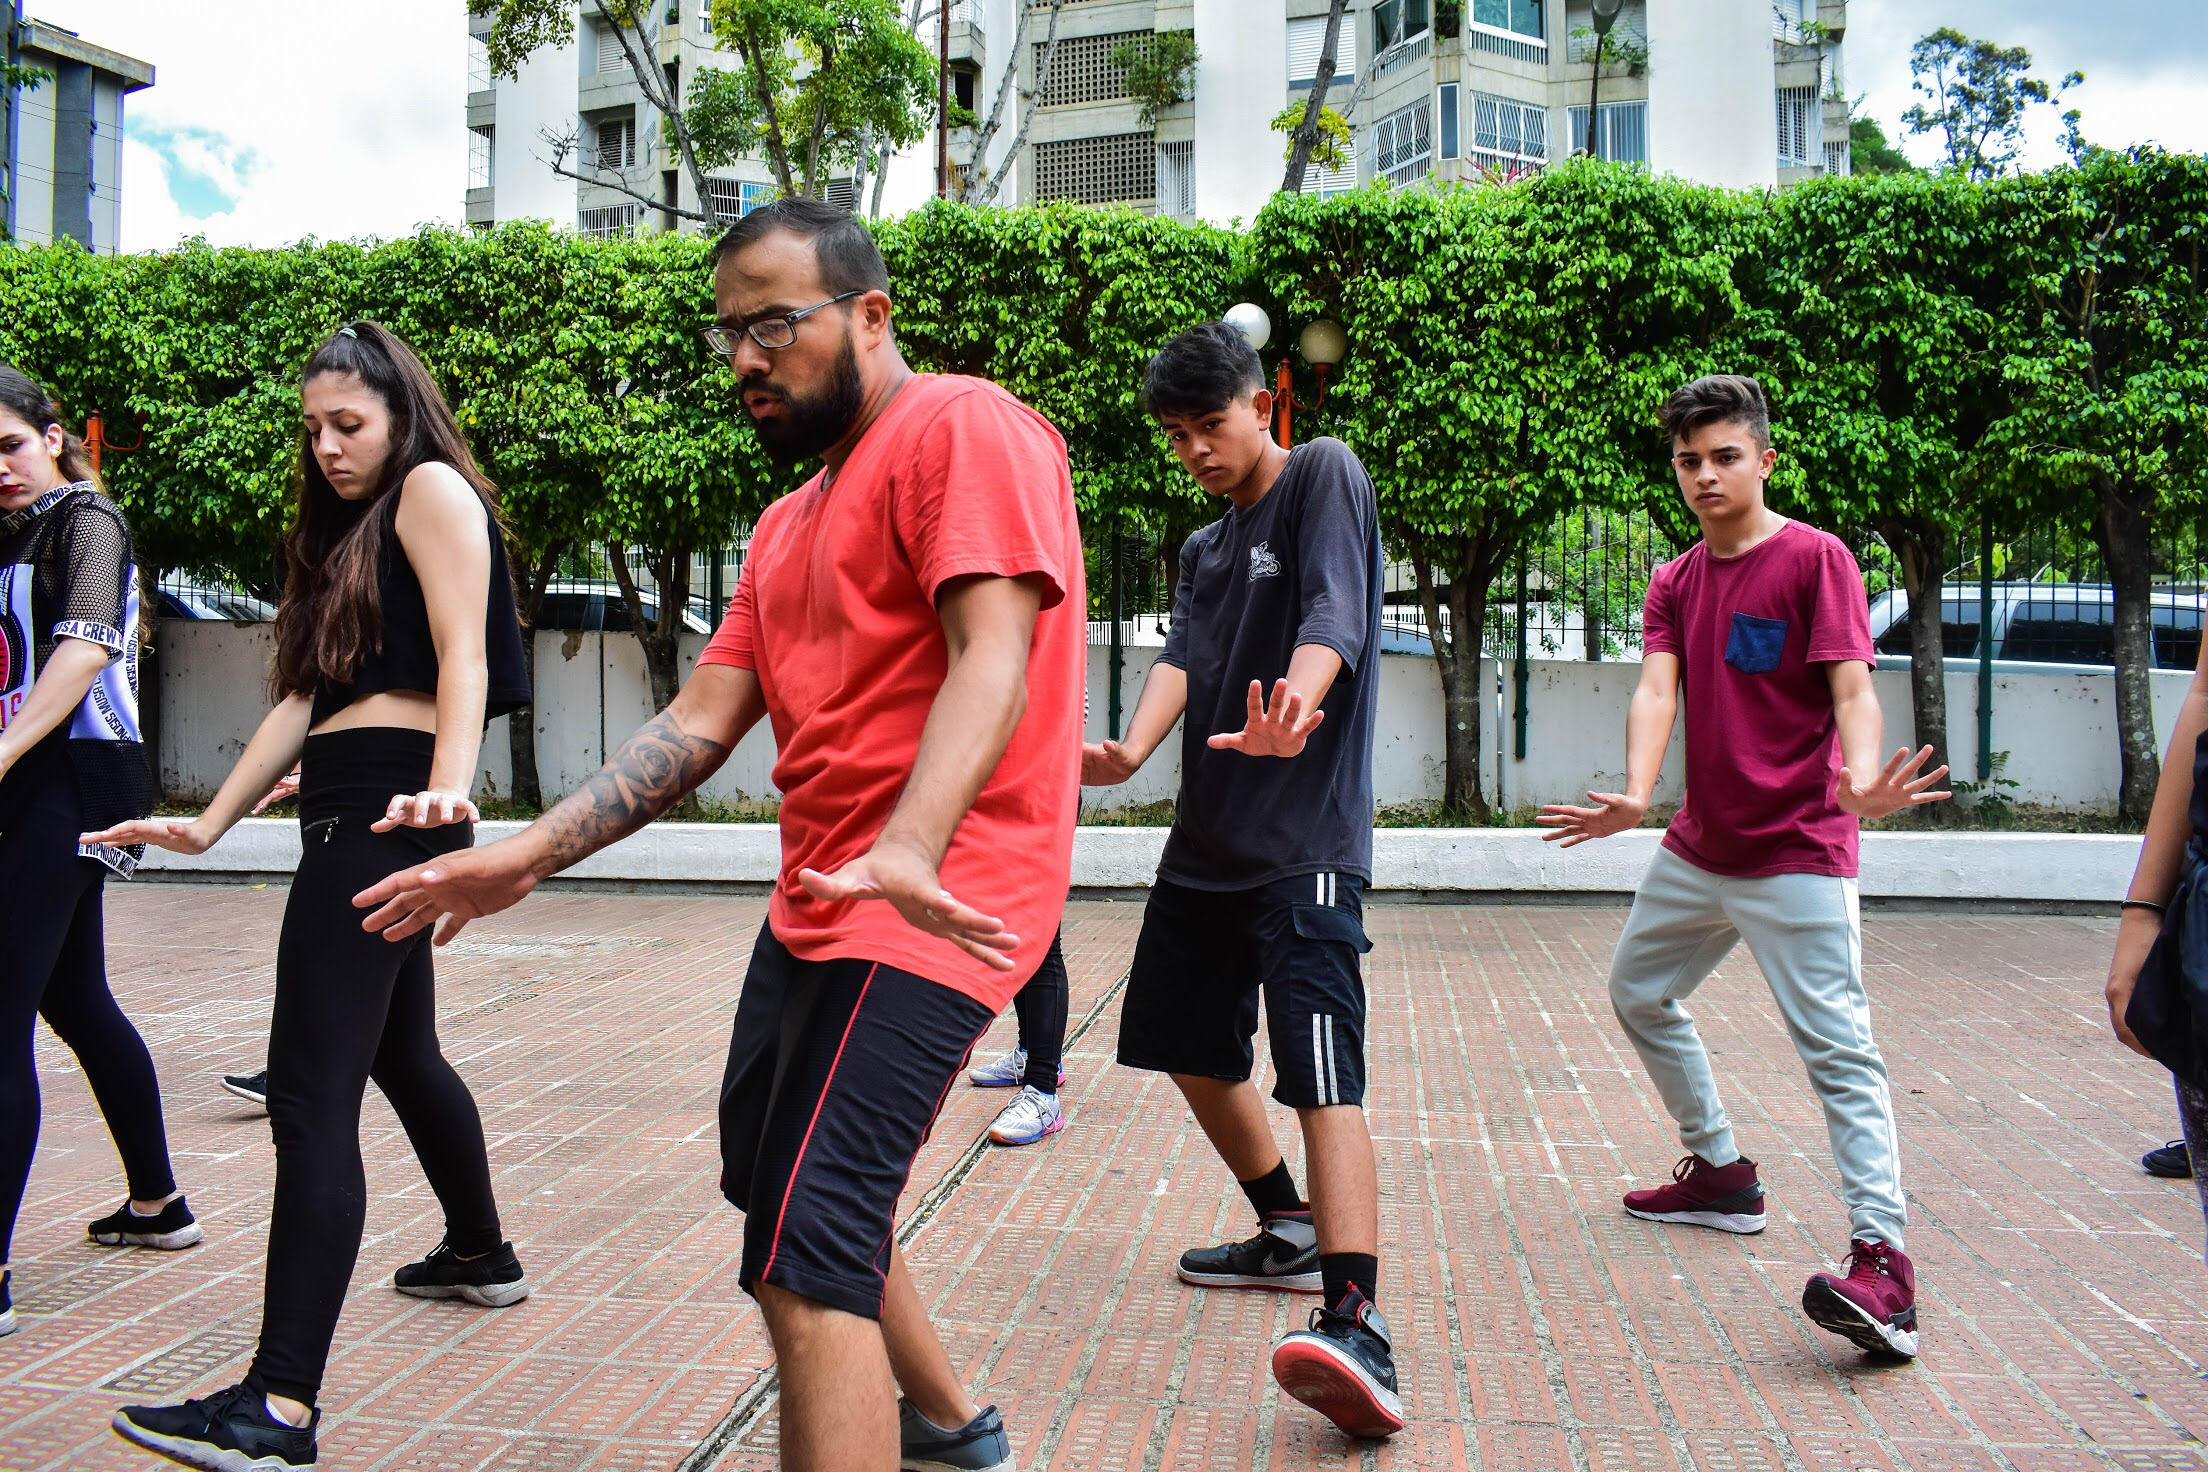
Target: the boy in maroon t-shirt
(1764, 625)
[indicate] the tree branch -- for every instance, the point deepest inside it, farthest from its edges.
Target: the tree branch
(562, 146)
(986, 191)
(653, 83)
(753, 52)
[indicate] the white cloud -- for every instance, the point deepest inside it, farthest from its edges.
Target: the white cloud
(273, 120)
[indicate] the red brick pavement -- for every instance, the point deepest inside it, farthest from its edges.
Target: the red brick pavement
(2065, 1306)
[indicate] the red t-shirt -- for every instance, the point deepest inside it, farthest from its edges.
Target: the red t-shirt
(836, 614)
(1753, 634)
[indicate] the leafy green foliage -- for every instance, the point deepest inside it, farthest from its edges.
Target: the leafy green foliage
(1331, 151)
(1161, 70)
(1869, 152)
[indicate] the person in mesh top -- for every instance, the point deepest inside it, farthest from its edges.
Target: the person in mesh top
(70, 759)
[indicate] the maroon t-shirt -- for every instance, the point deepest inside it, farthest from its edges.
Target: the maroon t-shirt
(1753, 634)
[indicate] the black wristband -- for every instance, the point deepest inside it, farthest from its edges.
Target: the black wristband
(2144, 905)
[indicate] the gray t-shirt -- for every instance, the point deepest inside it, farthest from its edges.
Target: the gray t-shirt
(1302, 566)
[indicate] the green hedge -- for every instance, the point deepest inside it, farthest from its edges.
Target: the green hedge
(1939, 351)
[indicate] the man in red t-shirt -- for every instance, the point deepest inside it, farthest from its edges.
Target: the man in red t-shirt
(913, 623)
(1764, 625)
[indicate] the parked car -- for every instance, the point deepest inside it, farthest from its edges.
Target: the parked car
(2043, 623)
(188, 598)
(598, 607)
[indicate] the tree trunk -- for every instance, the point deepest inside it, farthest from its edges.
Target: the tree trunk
(1306, 136)
(521, 726)
(656, 636)
(1457, 658)
(1921, 549)
(2124, 526)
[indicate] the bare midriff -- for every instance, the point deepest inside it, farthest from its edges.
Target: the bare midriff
(410, 709)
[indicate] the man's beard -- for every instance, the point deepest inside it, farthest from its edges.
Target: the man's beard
(808, 426)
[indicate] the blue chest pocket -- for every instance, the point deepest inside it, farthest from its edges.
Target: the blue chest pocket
(1756, 644)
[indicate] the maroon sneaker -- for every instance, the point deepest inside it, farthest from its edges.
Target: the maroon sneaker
(1704, 1195)
(1875, 1305)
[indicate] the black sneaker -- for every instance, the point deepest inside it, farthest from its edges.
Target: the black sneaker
(252, 1086)
(1343, 1367)
(1283, 1255)
(2173, 1162)
(494, 1280)
(168, 1229)
(229, 1431)
(7, 1304)
(978, 1446)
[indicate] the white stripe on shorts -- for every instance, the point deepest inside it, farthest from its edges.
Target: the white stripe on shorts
(1333, 1085)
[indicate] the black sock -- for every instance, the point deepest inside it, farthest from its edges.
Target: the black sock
(1274, 1193)
(1342, 1271)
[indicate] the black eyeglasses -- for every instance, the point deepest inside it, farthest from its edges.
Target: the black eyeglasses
(769, 332)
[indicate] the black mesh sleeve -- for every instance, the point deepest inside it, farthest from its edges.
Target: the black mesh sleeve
(95, 565)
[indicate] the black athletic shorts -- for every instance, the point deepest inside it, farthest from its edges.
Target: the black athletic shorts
(1206, 955)
(835, 1074)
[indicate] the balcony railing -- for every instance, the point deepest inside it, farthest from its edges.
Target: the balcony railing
(1403, 54)
(1505, 43)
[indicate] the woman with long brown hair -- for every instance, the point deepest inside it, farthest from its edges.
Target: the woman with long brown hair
(71, 758)
(395, 642)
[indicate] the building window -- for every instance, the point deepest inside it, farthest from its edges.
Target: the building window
(480, 163)
(842, 193)
(1307, 38)
(613, 142)
(1395, 22)
(1621, 137)
(1837, 161)
(1448, 94)
(1082, 71)
(1508, 135)
(611, 58)
(1403, 144)
(479, 63)
(1177, 179)
(607, 222)
(1801, 128)
(1121, 169)
(732, 199)
(1518, 17)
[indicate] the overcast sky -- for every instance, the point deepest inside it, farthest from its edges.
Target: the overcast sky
(276, 119)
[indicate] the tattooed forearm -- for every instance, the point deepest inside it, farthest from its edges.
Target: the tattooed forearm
(651, 771)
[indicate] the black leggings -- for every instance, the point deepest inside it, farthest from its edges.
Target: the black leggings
(1042, 1005)
(350, 1007)
(53, 964)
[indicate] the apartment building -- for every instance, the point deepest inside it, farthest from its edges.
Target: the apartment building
(63, 139)
(1736, 92)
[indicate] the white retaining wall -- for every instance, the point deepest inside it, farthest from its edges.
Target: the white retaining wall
(2058, 724)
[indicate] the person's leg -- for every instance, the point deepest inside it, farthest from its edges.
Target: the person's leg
(436, 1109)
(1041, 1006)
(333, 991)
(839, 1405)
(2192, 1115)
(83, 1013)
(836, 1072)
(1674, 937)
(46, 882)
(1806, 933)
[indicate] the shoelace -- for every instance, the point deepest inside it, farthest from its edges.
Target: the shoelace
(1684, 1168)
(219, 1405)
(1868, 1260)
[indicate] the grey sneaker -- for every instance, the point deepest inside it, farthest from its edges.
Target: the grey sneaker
(978, 1446)
(1284, 1255)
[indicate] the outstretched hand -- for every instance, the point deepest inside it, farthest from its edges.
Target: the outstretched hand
(1613, 812)
(448, 892)
(1107, 764)
(1897, 786)
(1274, 728)
(286, 786)
(177, 835)
(909, 883)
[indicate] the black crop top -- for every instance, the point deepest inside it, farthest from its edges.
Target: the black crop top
(407, 657)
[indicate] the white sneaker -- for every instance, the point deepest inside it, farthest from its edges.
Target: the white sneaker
(1005, 1073)
(1033, 1116)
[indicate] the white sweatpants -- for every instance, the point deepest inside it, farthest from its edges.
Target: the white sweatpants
(1806, 932)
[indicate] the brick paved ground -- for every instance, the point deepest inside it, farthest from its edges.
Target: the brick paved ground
(2065, 1307)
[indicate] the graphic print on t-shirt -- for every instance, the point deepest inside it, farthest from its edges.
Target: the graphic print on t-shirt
(15, 638)
(110, 708)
